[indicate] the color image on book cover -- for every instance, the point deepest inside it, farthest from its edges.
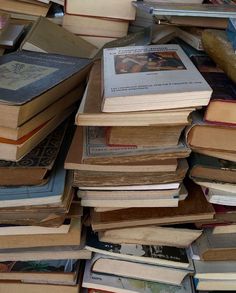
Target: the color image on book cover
(148, 62)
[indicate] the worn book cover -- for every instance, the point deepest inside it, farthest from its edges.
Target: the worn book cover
(163, 255)
(119, 284)
(151, 78)
(26, 75)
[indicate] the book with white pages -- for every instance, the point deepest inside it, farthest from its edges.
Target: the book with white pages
(221, 197)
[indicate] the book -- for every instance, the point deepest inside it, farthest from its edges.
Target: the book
(56, 108)
(140, 271)
(159, 136)
(181, 9)
(93, 151)
(10, 35)
(151, 235)
(44, 272)
(94, 178)
(43, 240)
(114, 9)
(194, 208)
(203, 135)
(61, 41)
(25, 7)
(211, 168)
(177, 76)
(221, 108)
(219, 196)
(199, 21)
(4, 20)
(126, 285)
(90, 114)
(37, 288)
(11, 150)
(191, 36)
(54, 76)
(34, 167)
(225, 155)
(95, 27)
(121, 199)
(155, 255)
(212, 246)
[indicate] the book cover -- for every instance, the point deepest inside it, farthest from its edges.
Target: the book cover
(169, 254)
(26, 75)
(149, 78)
(127, 285)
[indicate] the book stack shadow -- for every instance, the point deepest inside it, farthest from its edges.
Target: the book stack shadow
(41, 239)
(212, 166)
(128, 158)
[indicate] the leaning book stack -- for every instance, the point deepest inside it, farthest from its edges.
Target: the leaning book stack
(129, 161)
(41, 234)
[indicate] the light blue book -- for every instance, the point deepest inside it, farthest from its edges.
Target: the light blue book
(49, 193)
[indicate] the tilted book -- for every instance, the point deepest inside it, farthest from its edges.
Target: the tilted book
(151, 78)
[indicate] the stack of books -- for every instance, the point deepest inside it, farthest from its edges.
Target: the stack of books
(129, 163)
(211, 136)
(40, 224)
(98, 22)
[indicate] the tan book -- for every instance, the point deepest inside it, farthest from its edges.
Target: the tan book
(151, 235)
(90, 114)
(97, 27)
(89, 148)
(121, 9)
(16, 150)
(85, 178)
(24, 7)
(215, 246)
(8, 287)
(54, 109)
(203, 135)
(225, 155)
(47, 37)
(40, 240)
(194, 208)
(159, 136)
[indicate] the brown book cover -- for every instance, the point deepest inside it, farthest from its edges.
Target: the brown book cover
(194, 208)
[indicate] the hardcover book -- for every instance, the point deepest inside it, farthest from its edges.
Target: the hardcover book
(130, 79)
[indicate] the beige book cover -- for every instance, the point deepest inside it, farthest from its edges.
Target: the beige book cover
(48, 37)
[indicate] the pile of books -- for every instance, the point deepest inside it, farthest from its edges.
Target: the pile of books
(40, 224)
(129, 163)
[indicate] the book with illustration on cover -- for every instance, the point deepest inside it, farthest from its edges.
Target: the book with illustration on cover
(90, 114)
(31, 81)
(149, 254)
(130, 78)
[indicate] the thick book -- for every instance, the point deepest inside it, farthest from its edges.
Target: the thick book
(32, 81)
(210, 168)
(153, 254)
(121, 9)
(159, 136)
(34, 167)
(212, 246)
(151, 235)
(95, 178)
(47, 37)
(90, 114)
(62, 272)
(126, 285)
(202, 135)
(194, 208)
(141, 271)
(180, 85)
(89, 147)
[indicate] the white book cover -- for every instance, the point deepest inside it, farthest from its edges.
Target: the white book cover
(151, 78)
